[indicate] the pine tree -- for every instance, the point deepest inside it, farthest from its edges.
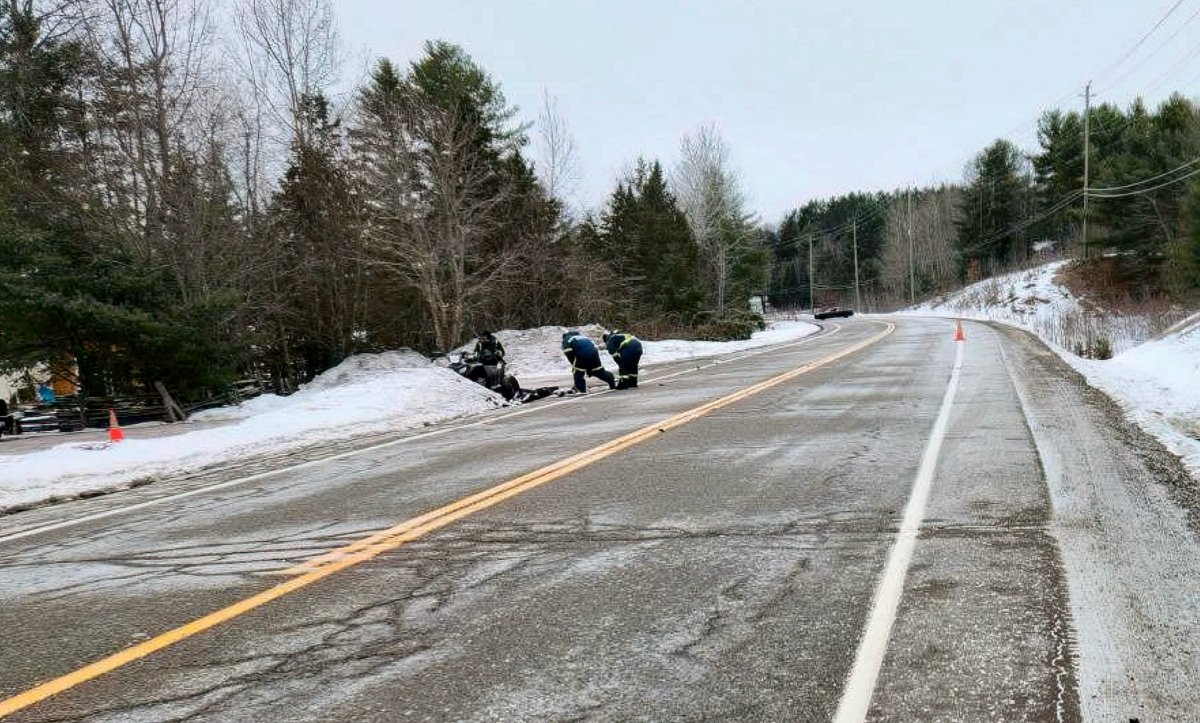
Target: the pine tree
(647, 240)
(995, 202)
(315, 219)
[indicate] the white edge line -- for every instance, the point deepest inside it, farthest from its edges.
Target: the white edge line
(860, 686)
(736, 356)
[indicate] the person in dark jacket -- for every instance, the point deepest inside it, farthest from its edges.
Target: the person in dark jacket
(626, 351)
(490, 353)
(585, 360)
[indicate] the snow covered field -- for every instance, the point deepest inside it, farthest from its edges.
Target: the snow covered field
(1155, 380)
(367, 394)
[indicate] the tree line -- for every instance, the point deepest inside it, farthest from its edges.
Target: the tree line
(185, 202)
(1142, 214)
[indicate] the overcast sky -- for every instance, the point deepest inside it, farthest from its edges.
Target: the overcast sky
(813, 97)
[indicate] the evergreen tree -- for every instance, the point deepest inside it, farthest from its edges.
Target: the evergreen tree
(1138, 216)
(316, 221)
(646, 238)
(995, 202)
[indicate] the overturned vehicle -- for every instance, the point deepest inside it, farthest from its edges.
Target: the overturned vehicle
(494, 377)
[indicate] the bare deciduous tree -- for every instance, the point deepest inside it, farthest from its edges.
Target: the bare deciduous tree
(924, 222)
(159, 124)
(710, 196)
(560, 168)
(431, 199)
(289, 52)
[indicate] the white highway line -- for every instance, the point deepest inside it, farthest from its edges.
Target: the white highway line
(383, 445)
(860, 686)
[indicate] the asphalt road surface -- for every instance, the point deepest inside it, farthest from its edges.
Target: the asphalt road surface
(877, 523)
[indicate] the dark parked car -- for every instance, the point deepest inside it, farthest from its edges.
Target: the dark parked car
(833, 312)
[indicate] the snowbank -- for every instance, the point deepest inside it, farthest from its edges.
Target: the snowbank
(1158, 385)
(369, 393)
(366, 394)
(1035, 300)
(1030, 299)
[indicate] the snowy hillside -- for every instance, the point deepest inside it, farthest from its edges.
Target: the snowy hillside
(366, 394)
(1156, 380)
(1035, 300)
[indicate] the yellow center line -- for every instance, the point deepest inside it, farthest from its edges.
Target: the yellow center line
(342, 558)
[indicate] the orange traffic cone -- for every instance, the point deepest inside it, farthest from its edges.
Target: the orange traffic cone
(114, 430)
(958, 331)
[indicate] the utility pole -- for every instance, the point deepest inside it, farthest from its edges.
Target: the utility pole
(912, 274)
(857, 297)
(811, 308)
(1087, 148)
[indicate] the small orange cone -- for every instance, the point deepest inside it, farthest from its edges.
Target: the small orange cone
(115, 434)
(958, 332)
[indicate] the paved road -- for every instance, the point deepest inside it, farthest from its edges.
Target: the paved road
(917, 530)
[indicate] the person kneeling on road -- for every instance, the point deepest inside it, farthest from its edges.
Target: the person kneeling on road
(626, 351)
(585, 360)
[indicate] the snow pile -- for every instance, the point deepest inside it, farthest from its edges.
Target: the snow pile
(779, 332)
(369, 393)
(1158, 384)
(1030, 299)
(366, 394)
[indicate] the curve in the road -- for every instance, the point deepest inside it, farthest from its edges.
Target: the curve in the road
(208, 488)
(396, 536)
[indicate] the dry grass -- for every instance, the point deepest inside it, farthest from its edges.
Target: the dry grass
(1121, 305)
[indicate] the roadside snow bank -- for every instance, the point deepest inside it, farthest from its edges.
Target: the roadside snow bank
(1035, 300)
(369, 393)
(1158, 385)
(1030, 299)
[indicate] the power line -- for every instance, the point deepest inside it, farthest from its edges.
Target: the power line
(1144, 38)
(1022, 225)
(1154, 52)
(1179, 64)
(1142, 191)
(1144, 181)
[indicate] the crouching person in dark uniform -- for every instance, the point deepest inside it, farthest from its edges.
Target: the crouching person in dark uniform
(626, 351)
(585, 360)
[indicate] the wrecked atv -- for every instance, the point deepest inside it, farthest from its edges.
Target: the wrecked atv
(499, 380)
(496, 378)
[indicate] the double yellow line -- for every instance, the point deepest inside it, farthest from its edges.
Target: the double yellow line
(342, 558)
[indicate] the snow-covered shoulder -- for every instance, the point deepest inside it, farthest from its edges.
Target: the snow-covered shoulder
(1155, 380)
(366, 394)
